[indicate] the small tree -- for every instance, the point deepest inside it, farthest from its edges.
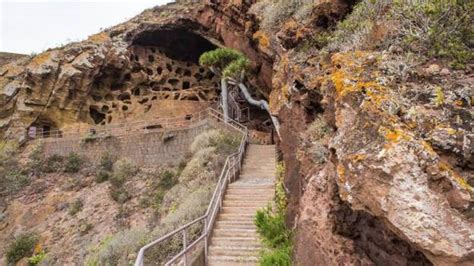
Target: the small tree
(231, 66)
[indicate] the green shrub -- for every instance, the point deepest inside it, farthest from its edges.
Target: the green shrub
(119, 249)
(22, 246)
(14, 180)
(280, 257)
(275, 12)
(102, 176)
(37, 258)
(168, 179)
(107, 161)
(73, 163)
(271, 227)
(35, 162)
(224, 141)
(437, 28)
(430, 28)
(75, 207)
(119, 194)
(123, 169)
(53, 164)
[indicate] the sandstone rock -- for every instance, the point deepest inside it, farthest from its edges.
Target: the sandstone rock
(433, 69)
(444, 72)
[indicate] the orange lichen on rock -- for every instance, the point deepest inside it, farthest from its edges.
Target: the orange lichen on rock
(341, 171)
(357, 157)
(99, 38)
(40, 59)
(443, 166)
(262, 39)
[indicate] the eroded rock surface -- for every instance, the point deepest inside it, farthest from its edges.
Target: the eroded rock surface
(379, 160)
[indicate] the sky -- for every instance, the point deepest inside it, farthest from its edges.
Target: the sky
(32, 26)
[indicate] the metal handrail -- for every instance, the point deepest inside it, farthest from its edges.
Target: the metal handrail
(230, 170)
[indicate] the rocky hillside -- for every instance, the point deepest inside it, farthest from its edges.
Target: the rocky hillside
(6, 58)
(375, 101)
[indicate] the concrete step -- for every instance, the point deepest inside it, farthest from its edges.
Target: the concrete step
(235, 224)
(232, 260)
(233, 251)
(236, 216)
(248, 197)
(251, 176)
(246, 203)
(249, 192)
(248, 185)
(241, 210)
(234, 232)
(250, 241)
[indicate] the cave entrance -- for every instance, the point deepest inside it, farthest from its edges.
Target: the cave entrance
(177, 44)
(96, 115)
(43, 128)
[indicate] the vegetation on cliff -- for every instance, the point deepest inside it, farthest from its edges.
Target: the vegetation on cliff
(270, 222)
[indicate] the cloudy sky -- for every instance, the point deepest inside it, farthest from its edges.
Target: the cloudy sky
(28, 26)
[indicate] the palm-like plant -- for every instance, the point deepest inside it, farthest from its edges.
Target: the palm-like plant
(231, 66)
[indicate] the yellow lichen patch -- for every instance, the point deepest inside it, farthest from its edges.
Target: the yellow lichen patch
(99, 37)
(439, 96)
(443, 166)
(341, 171)
(428, 147)
(262, 39)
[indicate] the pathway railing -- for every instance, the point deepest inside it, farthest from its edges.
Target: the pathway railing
(124, 128)
(230, 172)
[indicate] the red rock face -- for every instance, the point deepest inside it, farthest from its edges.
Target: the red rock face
(375, 172)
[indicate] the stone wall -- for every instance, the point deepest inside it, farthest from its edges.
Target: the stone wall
(144, 148)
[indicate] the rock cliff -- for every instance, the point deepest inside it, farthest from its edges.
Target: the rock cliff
(377, 141)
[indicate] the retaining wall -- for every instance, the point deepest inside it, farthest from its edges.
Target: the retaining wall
(147, 149)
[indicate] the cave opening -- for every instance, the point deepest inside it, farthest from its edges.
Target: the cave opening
(177, 44)
(97, 116)
(44, 128)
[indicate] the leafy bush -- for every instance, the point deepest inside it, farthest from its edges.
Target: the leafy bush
(430, 28)
(12, 175)
(37, 258)
(168, 179)
(224, 141)
(73, 163)
(75, 207)
(119, 194)
(21, 247)
(106, 166)
(119, 248)
(14, 180)
(53, 163)
(122, 170)
(280, 257)
(275, 12)
(271, 226)
(35, 163)
(102, 176)
(107, 161)
(437, 28)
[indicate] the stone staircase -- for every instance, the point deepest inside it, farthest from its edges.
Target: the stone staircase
(234, 239)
